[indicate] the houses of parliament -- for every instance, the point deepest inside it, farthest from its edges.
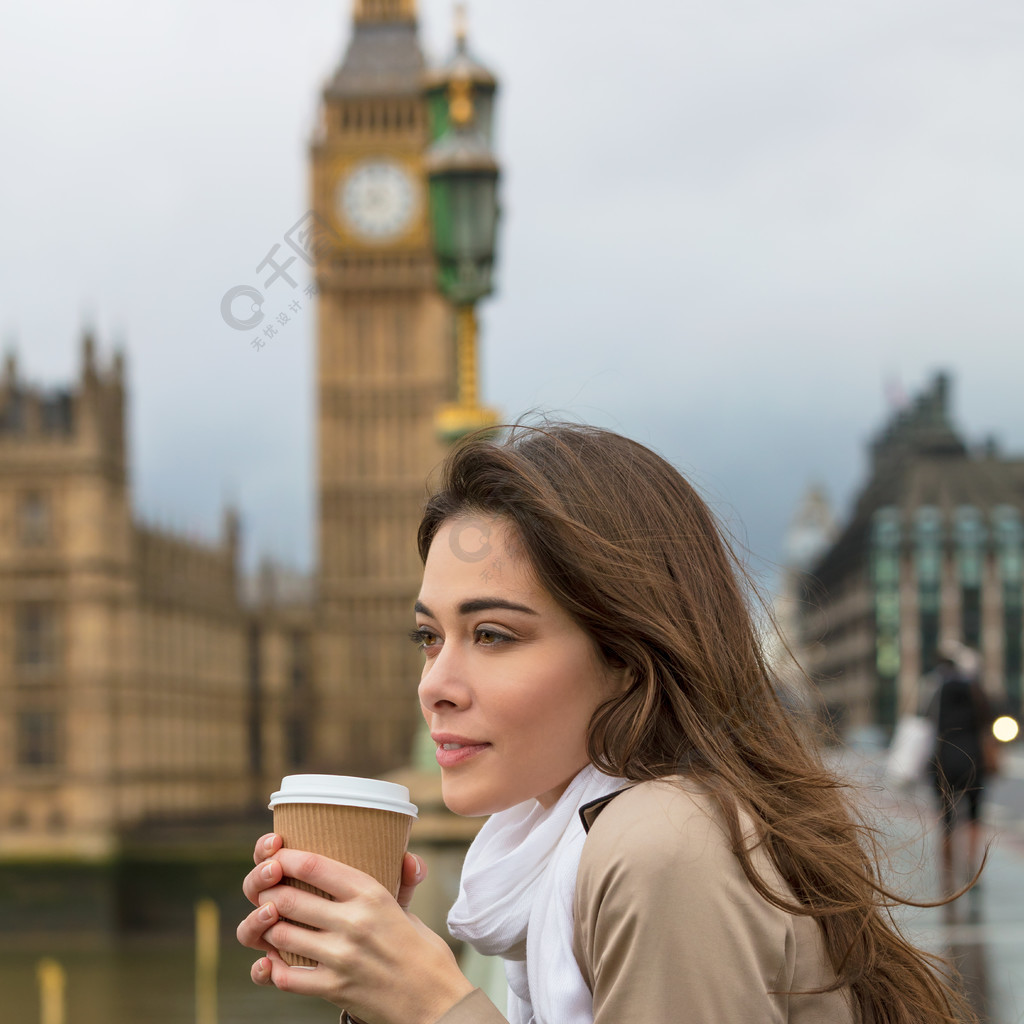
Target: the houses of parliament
(141, 681)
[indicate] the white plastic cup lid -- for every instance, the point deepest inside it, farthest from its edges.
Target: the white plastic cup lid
(344, 791)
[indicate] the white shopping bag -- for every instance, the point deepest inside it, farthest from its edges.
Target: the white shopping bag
(911, 750)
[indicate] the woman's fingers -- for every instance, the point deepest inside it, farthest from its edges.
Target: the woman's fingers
(265, 875)
(340, 926)
(285, 903)
(339, 881)
(413, 872)
(272, 970)
(372, 956)
(260, 971)
(251, 930)
(293, 938)
(266, 846)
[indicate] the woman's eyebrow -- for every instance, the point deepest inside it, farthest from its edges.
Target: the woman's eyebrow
(479, 604)
(483, 604)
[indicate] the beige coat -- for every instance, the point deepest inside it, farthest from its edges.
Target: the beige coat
(667, 928)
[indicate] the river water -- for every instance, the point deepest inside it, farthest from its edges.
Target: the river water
(147, 975)
(147, 980)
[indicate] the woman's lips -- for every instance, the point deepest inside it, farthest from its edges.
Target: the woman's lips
(450, 753)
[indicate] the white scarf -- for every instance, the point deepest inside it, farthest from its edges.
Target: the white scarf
(516, 899)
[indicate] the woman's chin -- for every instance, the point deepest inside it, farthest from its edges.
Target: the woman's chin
(465, 808)
(468, 803)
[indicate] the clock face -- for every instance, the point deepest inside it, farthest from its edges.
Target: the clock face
(377, 200)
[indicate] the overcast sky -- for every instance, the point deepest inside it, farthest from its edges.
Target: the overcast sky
(733, 230)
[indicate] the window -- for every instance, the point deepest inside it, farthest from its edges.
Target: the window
(1009, 543)
(56, 413)
(885, 573)
(37, 739)
(928, 555)
(13, 418)
(299, 661)
(255, 700)
(297, 738)
(34, 526)
(970, 561)
(35, 640)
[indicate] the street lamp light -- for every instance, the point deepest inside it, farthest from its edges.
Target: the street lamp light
(463, 189)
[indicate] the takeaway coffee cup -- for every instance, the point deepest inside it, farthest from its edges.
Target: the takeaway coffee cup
(361, 822)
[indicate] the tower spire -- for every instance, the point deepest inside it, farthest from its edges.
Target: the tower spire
(88, 352)
(384, 10)
(461, 28)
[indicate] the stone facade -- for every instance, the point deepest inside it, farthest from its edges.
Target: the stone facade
(932, 551)
(142, 680)
(123, 686)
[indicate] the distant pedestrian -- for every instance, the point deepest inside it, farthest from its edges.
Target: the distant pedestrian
(960, 766)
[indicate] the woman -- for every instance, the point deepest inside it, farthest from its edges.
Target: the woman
(663, 844)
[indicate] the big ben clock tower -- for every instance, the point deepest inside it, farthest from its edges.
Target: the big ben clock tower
(385, 363)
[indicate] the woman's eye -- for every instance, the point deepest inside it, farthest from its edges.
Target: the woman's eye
(424, 639)
(490, 637)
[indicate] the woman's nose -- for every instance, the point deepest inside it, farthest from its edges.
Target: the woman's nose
(443, 684)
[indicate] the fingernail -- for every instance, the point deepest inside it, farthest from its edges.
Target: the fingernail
(268, 842)
(266, 912)
(267, 871)
(419, 868)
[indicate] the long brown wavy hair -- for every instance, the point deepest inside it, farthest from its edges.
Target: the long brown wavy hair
(629, 549)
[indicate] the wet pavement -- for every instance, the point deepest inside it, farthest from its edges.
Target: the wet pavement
(983, 931)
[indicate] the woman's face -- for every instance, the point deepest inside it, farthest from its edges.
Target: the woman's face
(510, 681)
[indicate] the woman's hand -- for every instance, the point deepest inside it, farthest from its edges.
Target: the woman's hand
(374, 958)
